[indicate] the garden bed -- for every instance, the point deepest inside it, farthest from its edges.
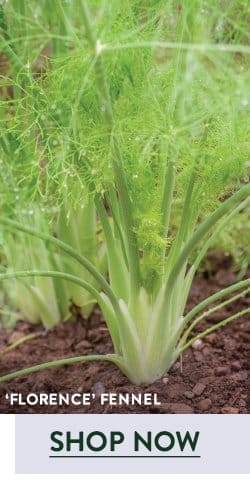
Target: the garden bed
(213, 377)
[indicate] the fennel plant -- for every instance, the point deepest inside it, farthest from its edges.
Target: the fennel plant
(49, 301)
(163, 135)
(26, 143)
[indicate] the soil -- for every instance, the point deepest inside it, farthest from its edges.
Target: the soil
(212, 378)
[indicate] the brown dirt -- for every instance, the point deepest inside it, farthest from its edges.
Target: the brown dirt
(213, 377)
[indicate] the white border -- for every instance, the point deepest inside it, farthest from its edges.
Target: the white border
(7, 444)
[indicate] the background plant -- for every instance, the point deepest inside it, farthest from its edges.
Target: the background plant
(27, 140)
(162, 107)
(50, 301)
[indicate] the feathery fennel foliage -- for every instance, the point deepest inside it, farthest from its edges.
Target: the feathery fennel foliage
(27, 139)
(145, 115)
